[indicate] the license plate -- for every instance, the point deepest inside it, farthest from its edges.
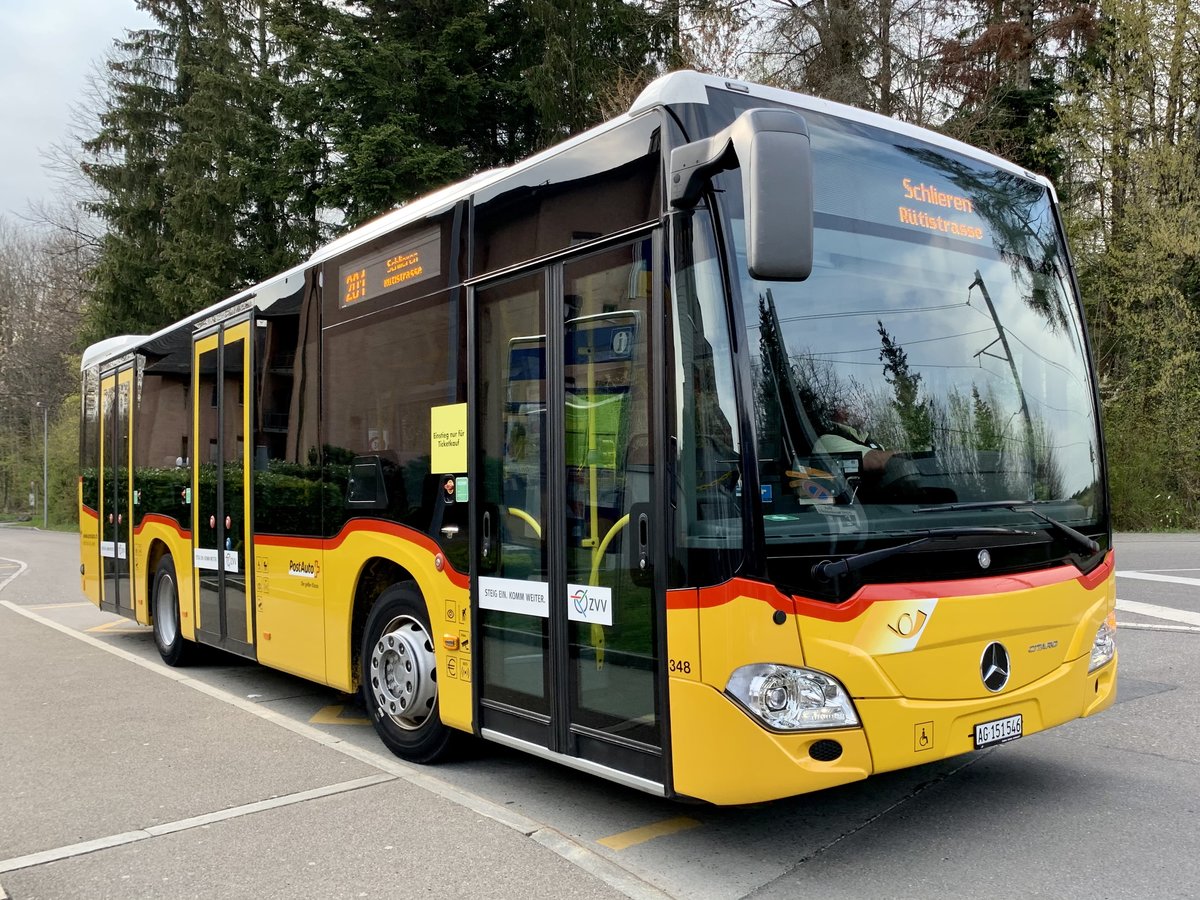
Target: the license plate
(998, 731)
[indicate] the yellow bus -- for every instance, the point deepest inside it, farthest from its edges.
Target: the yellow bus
(742, 446)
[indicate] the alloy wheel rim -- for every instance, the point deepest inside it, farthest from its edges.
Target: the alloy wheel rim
(402, 672)
(164, 611)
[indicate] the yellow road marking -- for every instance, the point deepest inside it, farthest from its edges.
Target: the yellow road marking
(112, 627)
(59, 605)
(635, 836)
(332, 715)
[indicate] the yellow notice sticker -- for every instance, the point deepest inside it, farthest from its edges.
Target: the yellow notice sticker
(448, 438)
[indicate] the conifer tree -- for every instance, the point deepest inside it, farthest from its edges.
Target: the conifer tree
(126, 160)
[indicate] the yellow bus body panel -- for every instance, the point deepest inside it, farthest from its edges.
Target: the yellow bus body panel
(723, 756)
(289, 606)
(908, 655)
(154, 530)
(89, 550)
(305, 622)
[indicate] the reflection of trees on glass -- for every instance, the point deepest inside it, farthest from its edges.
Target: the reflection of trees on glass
(967, 439)
(1048, 481)
(955, 352)
(1022, 231)
(768, 405)
(987, 429)
(910, 407)
(793, 395)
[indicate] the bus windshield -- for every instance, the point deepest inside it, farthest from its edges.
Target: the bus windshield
(934, 358)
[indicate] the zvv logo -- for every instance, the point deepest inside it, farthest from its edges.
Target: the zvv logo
(579, 598)
(585, 603)
(590, 604)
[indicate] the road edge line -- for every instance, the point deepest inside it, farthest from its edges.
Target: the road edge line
(71, 851)
(5, 583)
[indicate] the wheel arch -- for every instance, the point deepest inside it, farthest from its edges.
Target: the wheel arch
(154, 555)
(377, 574)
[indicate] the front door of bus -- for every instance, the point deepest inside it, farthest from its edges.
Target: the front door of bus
(220, 499)
(563, 557)
(116, 500)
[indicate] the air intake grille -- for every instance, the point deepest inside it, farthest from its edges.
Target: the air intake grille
(825, 751)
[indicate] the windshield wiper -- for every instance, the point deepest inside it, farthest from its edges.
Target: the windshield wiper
(827, 569)
(1080, 539)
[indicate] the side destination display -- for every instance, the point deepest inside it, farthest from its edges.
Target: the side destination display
(395, 266)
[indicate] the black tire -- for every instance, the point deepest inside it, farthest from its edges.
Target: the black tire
(173, 647)
(399, 676)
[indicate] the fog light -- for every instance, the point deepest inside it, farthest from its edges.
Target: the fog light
(1104, 647)
(791, 699)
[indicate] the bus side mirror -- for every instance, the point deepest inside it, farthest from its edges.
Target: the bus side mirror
(771, 147)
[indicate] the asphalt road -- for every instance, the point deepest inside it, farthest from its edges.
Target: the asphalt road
(122, 778)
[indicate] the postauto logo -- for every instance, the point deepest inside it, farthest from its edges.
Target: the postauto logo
(304, 569)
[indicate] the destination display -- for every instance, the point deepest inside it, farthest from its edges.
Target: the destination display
(401, 264)
(931, 195)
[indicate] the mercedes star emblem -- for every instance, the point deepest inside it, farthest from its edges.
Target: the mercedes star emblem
(994, 667)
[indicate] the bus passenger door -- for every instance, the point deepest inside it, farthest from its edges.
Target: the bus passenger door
(564, 562)
(116, 499)
(220, 498)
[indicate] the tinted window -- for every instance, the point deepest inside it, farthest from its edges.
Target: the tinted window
(609, 183)
(162, 423)
(708, 484)
(383, 374)
(89, 439)
(288, 492)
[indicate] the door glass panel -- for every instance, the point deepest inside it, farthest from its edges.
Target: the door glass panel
(108, 515)
(513, 562)
(120, 499)
(207, 557)
(233, 505)
(608, 476)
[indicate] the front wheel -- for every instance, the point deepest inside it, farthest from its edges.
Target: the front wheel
(399, 676)
(173, 647)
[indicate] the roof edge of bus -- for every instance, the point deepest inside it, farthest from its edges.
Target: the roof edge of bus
(673, 88)
(402, 215)
(109, 347)
(444, 198)
(687, 86)
(118, 346)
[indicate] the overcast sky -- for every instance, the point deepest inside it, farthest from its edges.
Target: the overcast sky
(47, 49)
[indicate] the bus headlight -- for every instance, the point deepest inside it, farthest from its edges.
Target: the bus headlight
(1104, 647)
(791, 699)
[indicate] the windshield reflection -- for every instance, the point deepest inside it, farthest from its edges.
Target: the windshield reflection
(935, 355)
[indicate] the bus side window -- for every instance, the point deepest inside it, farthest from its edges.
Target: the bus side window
(708, 489)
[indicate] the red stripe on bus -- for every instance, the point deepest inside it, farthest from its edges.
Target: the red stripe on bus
(718, 595)
(88, 511)
(373, 526)
(1100, 574)
(159, 519)
(990, 584)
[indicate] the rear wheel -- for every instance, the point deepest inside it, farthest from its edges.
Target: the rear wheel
(399, 676)
(173, 647)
